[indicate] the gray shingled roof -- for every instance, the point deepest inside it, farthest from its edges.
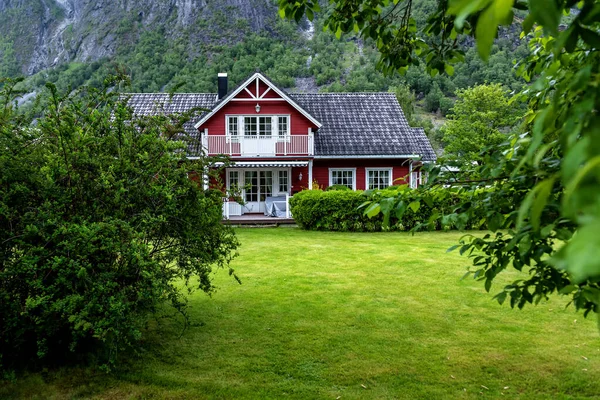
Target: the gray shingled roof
(363, 124)
(354, 124)
(163, 103)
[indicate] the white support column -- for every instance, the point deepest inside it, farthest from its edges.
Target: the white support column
(310, 174)
(287, 205)
(410, 176)
(311, 142)
(204, 140)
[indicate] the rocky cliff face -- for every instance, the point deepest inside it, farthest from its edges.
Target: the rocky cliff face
(45, 33)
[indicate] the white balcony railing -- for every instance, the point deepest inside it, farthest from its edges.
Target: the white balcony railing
(252, 146)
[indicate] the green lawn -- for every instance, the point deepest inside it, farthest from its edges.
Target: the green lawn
(350, 316)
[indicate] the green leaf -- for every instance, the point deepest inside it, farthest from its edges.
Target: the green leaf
(449, 69)
(546, 13)
(590, 37)
(373, 210)
(543, 190)
(414, 205)
(485, 32)
(581, 255)
(463, 8)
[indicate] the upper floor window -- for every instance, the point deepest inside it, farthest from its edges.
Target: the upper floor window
(265, 126)
(250, 126)
(232, 124)
(282, 125)
(379, 178)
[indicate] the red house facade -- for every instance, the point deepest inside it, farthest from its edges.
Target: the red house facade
(283, 143)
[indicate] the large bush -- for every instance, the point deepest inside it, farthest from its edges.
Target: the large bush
(99, 226)
(360, 211)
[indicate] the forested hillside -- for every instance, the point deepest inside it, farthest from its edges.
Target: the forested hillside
(182, 44)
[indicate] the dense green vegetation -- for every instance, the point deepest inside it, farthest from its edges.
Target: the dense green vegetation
(99, 226)
(342, 209)
(283, 53)
(549, 175)
(386, 316)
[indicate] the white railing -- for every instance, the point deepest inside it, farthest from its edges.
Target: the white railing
(250, 146)
(232, 208)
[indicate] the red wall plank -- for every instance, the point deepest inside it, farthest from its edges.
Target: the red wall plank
(400, 170)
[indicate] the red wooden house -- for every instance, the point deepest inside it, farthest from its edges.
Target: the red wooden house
(282, 142)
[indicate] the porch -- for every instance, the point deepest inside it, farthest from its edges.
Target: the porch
(258, 219)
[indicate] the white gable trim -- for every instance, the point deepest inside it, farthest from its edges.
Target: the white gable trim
(243, 86)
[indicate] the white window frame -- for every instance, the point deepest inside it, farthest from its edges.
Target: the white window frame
(331, 170)
(288, 178)
(274, 125)
(286, 137)
(388, 169)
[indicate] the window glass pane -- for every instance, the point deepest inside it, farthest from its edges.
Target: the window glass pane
(378, 179)
(283, 181)
(342, 177)
(251, 183)
(283, 126)
(266, 184)
(264, 126)
(233, 179)
(233, 126)
(250, 128)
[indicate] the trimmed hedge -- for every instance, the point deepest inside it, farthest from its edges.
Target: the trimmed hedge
(341, 210)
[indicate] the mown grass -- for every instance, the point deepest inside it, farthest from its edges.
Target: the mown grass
(350, 316)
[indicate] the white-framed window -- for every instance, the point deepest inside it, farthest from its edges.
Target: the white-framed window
(264, 126)
(283, 181)
(257, 125)
(378, 178)
(233, 179)
(250, 126)
(343, 176)
(282, 126)
(233, 127)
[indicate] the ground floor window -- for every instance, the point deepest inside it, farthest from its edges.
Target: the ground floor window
(343, 176)
(283, 181)
(379, 178)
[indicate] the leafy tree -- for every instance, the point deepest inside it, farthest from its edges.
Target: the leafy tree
(406, 99)
(481, 118)
(542, 197)
(99, 225)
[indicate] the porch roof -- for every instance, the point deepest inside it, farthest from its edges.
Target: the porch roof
(267, 164)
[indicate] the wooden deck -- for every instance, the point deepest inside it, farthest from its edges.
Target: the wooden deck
(258, 220)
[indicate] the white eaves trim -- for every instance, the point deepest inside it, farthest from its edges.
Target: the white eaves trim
(241, 87)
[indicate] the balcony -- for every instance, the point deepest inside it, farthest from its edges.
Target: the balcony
(259, 146)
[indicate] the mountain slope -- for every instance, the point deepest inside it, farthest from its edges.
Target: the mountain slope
(39, 34)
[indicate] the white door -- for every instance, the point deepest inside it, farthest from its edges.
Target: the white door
(258, 186)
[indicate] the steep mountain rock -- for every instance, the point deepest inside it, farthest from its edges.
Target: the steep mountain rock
(38, 34)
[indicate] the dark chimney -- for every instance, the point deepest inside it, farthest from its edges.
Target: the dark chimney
(222, 84)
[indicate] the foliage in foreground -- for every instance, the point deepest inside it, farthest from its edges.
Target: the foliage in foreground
(552, 173)
(99, 224)
(343, 210)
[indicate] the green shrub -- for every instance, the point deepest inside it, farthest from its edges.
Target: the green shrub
(342, 211)
(99, 227)
(338, 187)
